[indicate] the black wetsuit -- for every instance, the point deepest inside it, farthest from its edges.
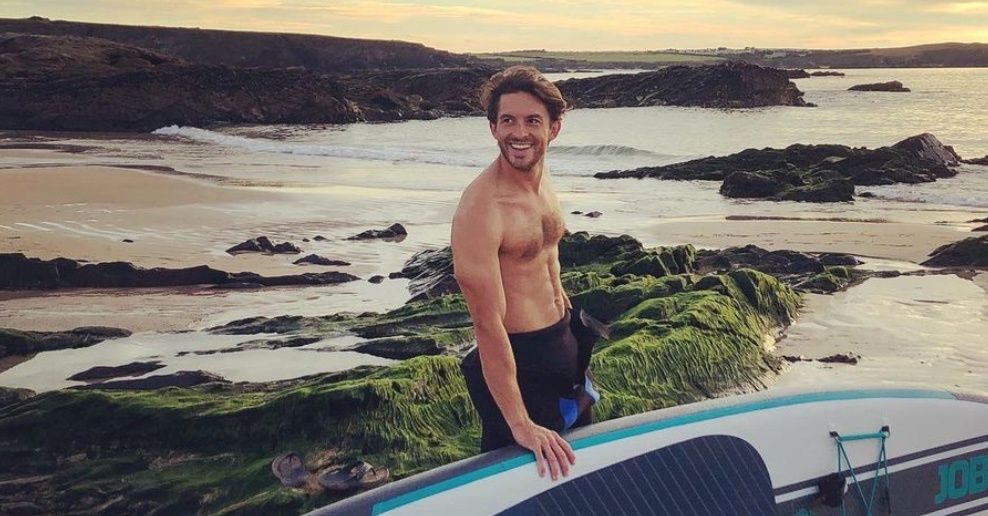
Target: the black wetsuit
(552, 376)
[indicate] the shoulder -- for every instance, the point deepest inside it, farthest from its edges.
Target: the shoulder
(478, 205)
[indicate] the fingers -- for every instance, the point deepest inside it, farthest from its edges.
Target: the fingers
(551, 449)
(559, 455)
(570, 454)
(539, 461)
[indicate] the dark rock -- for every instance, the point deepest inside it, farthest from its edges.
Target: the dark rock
(580, 248)
(262, 244)
(179, 379)
(20, 272)
(319, 260)
(979, 220)
(294, 342)
(593, 214)
(867, 195)
(309, 278)
(879, 86)
(319, 238)
(237, 285)
(127, 241)
(827, 74)
(394, 231)
(836, 190)
(750, 184)
(797, 73)
(840, 358)
(306, 240)
(821, 274)
(21, 509)
(793, 358)
(431, 274)
(970, 252)
(977, 161)
(980, 228)
(577, 212)
(396, 275)
(831, 259)
(928, 148)
(9, 396)
(377, 278)
(15, 342)
(814, 173)
(105, 372)
(400, 348)
(252, 325)
(729, 85)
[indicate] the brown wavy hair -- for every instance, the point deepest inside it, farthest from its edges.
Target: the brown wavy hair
(522, 79)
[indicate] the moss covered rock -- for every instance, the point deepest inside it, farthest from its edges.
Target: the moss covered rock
(676, 337)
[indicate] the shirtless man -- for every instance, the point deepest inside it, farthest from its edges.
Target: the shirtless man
(505, 238)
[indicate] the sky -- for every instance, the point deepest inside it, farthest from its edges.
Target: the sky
(498, 25)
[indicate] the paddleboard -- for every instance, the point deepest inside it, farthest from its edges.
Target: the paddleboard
(785, 452)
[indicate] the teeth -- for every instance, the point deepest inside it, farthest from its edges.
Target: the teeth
(520, 146)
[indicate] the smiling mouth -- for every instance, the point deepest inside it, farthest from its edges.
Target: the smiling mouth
(520, 146)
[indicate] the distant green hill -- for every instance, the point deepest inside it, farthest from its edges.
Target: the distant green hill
(920, 56)
(608, 59)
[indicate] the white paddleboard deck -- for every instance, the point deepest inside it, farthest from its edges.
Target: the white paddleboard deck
(762, 453)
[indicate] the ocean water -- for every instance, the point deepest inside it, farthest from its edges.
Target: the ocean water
(362, 176)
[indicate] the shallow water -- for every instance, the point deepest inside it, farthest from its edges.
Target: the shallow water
(926, 331)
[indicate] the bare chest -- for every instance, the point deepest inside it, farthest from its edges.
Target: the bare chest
(530, 230)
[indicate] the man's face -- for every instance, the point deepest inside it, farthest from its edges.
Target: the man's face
(523, 129)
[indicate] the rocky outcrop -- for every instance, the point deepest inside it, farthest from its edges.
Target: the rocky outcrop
(20, 272)
(827, 73)
(685, 337)
(321, 54)
(730, 85)
(107, 372)
(179, 379)
(395, 231)
(9, 396)
(977, 161)
(816, 173)
(263, 244)
(970, 252)
(880, 86)
(796, 73)
(819, 273)
(315, 259)
(416, 94)
(16, 342)
(89, 84)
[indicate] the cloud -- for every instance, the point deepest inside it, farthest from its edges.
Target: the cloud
(961, 8)
(493, 25)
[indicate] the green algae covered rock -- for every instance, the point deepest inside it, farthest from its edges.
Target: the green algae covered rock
(676, 337)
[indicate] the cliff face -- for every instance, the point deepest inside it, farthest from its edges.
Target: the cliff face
(324, 54)
(88, 84)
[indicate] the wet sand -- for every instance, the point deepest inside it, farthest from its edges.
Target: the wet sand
(917, 330)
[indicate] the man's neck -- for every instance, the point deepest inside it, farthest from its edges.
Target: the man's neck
(528, 180)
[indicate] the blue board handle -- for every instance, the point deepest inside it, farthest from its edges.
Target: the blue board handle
(884, 433)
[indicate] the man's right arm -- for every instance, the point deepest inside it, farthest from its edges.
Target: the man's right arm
(475, 240)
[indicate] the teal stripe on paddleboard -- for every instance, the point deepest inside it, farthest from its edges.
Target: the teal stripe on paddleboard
(615, 435)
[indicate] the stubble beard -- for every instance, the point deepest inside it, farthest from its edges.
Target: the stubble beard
(538, 154)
